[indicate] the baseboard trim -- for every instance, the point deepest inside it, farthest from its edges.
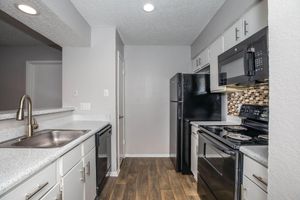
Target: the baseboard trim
(114, 173)
(147, 155)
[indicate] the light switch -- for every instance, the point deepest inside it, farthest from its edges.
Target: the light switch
(85, 106)
(106, 93)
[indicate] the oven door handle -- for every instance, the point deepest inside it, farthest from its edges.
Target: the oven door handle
(218, 145)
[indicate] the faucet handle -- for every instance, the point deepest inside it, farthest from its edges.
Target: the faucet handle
(34, 123)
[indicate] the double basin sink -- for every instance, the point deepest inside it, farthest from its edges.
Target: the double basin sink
(50, 138)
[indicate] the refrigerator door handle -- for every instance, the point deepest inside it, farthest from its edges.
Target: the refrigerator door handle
(179, 110)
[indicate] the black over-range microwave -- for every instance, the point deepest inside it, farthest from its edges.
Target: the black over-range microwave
(246, 63)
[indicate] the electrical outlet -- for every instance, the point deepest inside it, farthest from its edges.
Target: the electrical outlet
(85, 106)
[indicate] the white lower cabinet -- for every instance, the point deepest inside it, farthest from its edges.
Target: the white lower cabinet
(250, 191)
(194, 151)
(73, 183)
(255, 180)
(73, 179)
(79, 183)
(89, 163)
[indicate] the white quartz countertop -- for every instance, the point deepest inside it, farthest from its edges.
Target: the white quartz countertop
(208, 123)
(19, 164)
(257, 153)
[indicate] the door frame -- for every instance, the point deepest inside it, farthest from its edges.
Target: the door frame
(119, 156)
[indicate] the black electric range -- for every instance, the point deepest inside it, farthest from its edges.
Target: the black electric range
(219, 158)
(252, 131)
(236, 136)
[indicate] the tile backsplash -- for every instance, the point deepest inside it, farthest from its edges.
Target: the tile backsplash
(256, 95)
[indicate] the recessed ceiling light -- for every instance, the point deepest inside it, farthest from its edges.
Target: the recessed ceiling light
(148, 7)
(27, 9)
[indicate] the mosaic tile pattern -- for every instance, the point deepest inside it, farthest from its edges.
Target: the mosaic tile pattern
(257, 95)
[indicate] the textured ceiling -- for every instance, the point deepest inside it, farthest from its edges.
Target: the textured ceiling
(173, 22)
(47, 22)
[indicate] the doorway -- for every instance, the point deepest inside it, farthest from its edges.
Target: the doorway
(121, 107)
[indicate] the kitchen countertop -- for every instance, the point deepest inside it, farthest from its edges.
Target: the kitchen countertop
(5, 115)
(19, 164)
(257, 153)
(204, 123)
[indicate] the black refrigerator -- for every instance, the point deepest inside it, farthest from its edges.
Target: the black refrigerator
(190, 100)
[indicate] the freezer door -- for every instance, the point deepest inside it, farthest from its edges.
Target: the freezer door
(176, 88)
(175, 134)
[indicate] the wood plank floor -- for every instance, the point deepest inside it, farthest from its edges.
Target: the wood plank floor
(149, 179)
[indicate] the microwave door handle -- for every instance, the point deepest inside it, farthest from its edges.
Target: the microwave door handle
(250, 62)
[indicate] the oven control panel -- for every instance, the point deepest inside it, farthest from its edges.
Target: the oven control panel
(255, 112)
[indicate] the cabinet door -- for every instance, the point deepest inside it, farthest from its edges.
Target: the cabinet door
(216, 49)
(201, 61)
(250, 191)
(255, 19)
(194, 149)
(53, 194)
(233, 35)
(73, 183)
(90, 175)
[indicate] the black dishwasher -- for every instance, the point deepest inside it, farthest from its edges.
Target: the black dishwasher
(103, 156)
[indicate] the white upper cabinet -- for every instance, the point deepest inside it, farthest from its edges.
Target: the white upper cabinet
(216, 48)
(255, 19)
(233, 35)
(201, 61)
(251, 22)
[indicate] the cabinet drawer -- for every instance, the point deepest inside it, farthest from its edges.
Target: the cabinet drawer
(88, 145)
(256, 172)
(35, 187)
(69, 160)
(53, 194)
(250, 191)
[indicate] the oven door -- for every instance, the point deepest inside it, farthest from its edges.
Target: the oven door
(218, 169)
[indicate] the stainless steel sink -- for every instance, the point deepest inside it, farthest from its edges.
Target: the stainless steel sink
(50, 138)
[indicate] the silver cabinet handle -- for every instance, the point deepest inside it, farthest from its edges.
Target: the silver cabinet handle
(82, 171)
(236, 34)
(88, 168)
(245, 27)
(39, 188)
(260, 179)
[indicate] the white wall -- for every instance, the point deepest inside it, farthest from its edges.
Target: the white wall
(147, 73)
(90, 70)
(13, 70)
(284, 146)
